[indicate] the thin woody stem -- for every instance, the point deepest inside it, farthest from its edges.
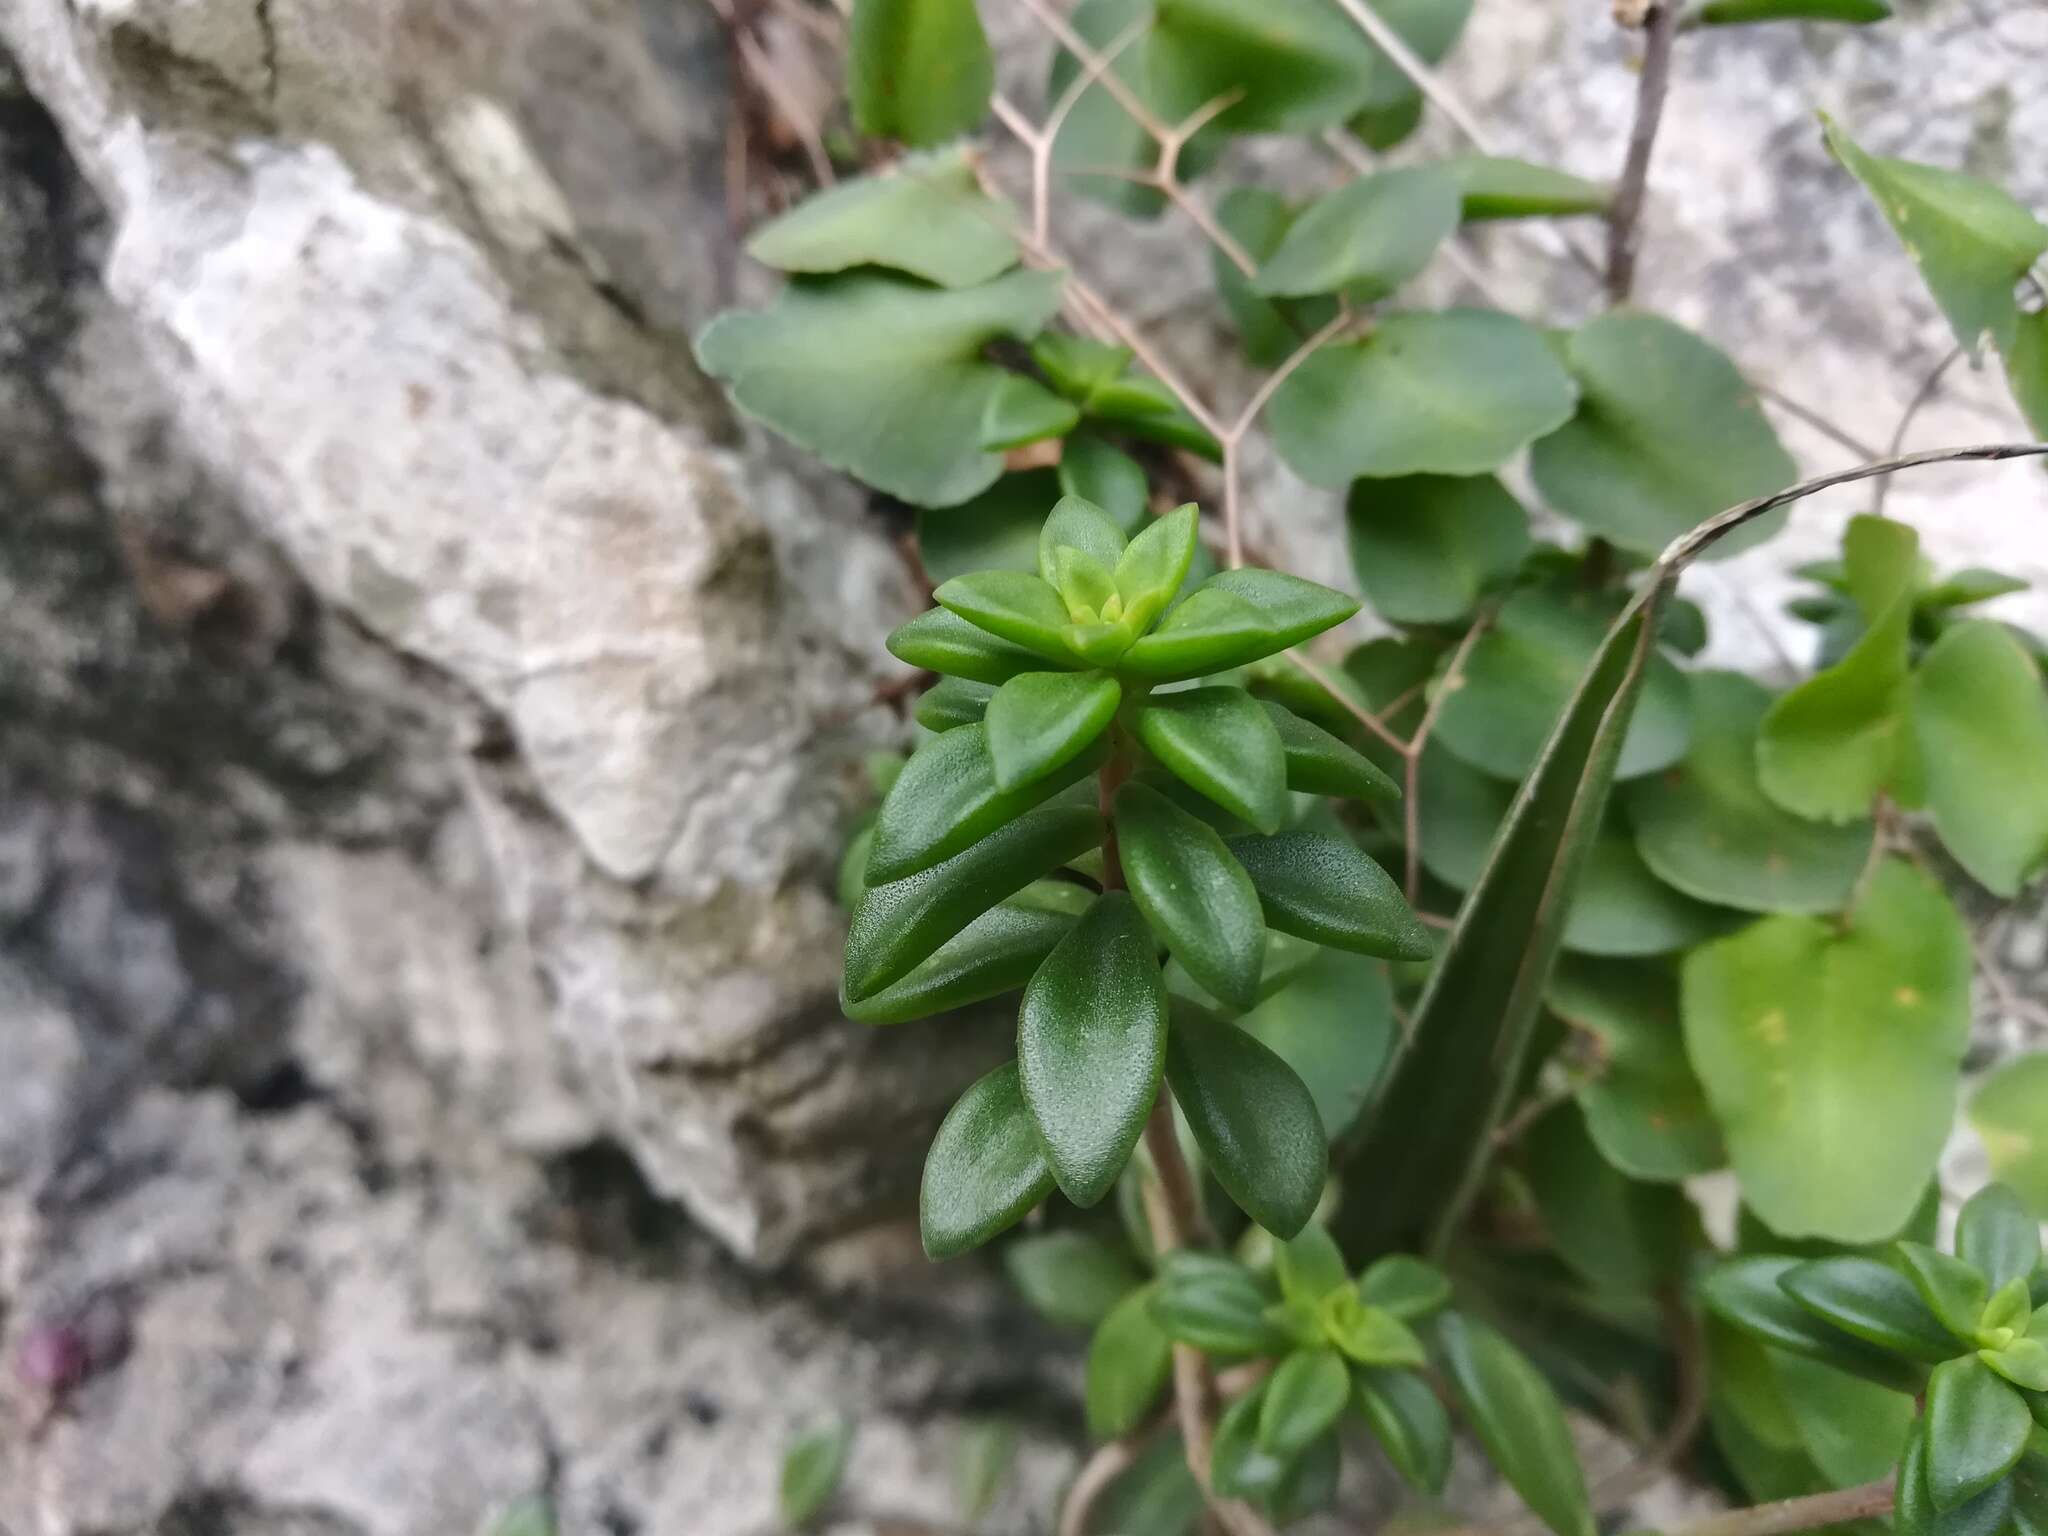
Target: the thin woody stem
(1624, 226)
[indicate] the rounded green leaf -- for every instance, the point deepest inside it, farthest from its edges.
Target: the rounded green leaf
(1622, 910)
(895, 926)
(2010, 1113)
(1516, 1416)
(1404, 1286)
(944, 642)
(1271, 330)
(1746, 1293)
(1977, 1426)
(1497, 187)
(994, 954)
(1334, 1025)
(1667, 434)
(1706, 826)
(947, 799)
(1209, 631)
(1319, 763)
(925, 215)
(1852, 1429)
(1625, 1237)
(1197, 899)
(1012, 605)
(1409, 1423)
(881, 376)
(1150, 572)
(953, 702)
(1954, 1291)
(1077, 523)
(1322, 887)
(1040, 722)
(1830, 1053)
(918, 70)
(1238, 1467)
(1309, 1266)
(2023, 1362)
(1365, 239)
(1871, 1301)
(1426, 546)
(1998, 1236)
(811, 1469)
(1129, 1360)
(1070, 1278)
(1214, 1304)
(1021, 410)
(2026, 369)
(1091, 1036)
(1520, 674)
(1220, 743)
(1368, 1334)
(1099, 472)
(1988, 1514)
(1457, 392)
(1980, 718)
(985, 1169)
(1254, 1120)
(1307, 1392)
(1290, 66)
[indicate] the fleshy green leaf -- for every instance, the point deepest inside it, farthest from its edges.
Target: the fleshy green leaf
(1624, 1237)
(1977, 1426)
(1746, 1293)
(985, 1169)
(1238, 1466)
(1728, 13)
(926, 215)
(880, 376)
(1257, 219)
(1871, 1301)
(1519, 676)
(1021, 410)
(1624, 911)
(1319, 763)
(947, 799)
(1215, 1305)
(1368, 1334)
(1218, 741)
(1197, 899)
(1999, 1236)
(1090, 1039)
(1101, 473)
(1916, 1513)
(1404, 1286)
(1517, 1418)
(1070, 1278)
(918, 70)
(1830, 1054)
(1151, 570)
(1012, 605)
(2026, 369)
(1254, 1119)
(1409, 1423)
(2010, 1113)
(1233, 618)
(1307, 1392)
(2023, 1362)
(1079, 524)
(811, 1469)
(1980, 718)
(1335, 1027)
(1393, 104)
(1426, 546)
(1457, 392)
(1953, 1290)
(1706, 826)
(1129, 1360)
(1309, 1265)
(944, 642)
(897, 925)
(1497, 187)
(1853, 1429)
(1970, 239)
(1323, 887)
(1040, 722)
(1365, 239)
(1296, 610)
(952, 702)
(994, 954)
(1666, 435)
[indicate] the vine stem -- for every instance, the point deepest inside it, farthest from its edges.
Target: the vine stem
(1865, 1502)
(1624, 228)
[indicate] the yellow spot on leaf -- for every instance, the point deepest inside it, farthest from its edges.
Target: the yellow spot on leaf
(1770, 1028)
(1907, 997)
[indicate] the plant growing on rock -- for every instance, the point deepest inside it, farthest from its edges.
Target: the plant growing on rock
(1376, 1002)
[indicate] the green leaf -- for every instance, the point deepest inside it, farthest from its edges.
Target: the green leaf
(1309, 1265)
(811, 1469)
(897, 925)
(880, 376)
(1826, 748)
(1319, 763)
(2010, 1113)
(1335, 1027)
(1253, 1118)
(994, 954)
(1666, 435)
(1456, 392)
(1425, 547)
(1021, 410)
(985, 1169)
(950, 703)
(1409, 1423)
(1040, 722)
(1238, 1468)
(947, 799)
(1070, 1278)
(1294, 66)
(1218, 741)
(1852, 1429)
(1916, 1513)
(1830, 1054)
(1960, 589)
(1308, 1390)
(1517, 1418)
(2023, 1362)
(2026, 369)
(1129, 1360)
(1954, 1291)
(1090, 1039)
(944, 642)
(1621, 1235)
(1258, 219)
(1645, 1111)
(1746, 1293)
(1323, 887)
(1970, 239)
(917, 70)
(1393, 104)
(981, 1465)
(1079, 524)
(925, 215)
(1215, 1305)
(1233, 618)
(2011, 1306)
(1158, 1493)
(1015, 606)
(1365, 239)
(1980, 718)
(1726, 13)
(1977, 1426)
(1196, 898)
(1999, 1236)
(1519, 676)
(1622, 910)
(1150, 572)
(1497, 187)
(1368, 1334)
(1871, 1301)
(1404, 1286)
(1101, 473)
(1706, 826)
(1295, 610)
